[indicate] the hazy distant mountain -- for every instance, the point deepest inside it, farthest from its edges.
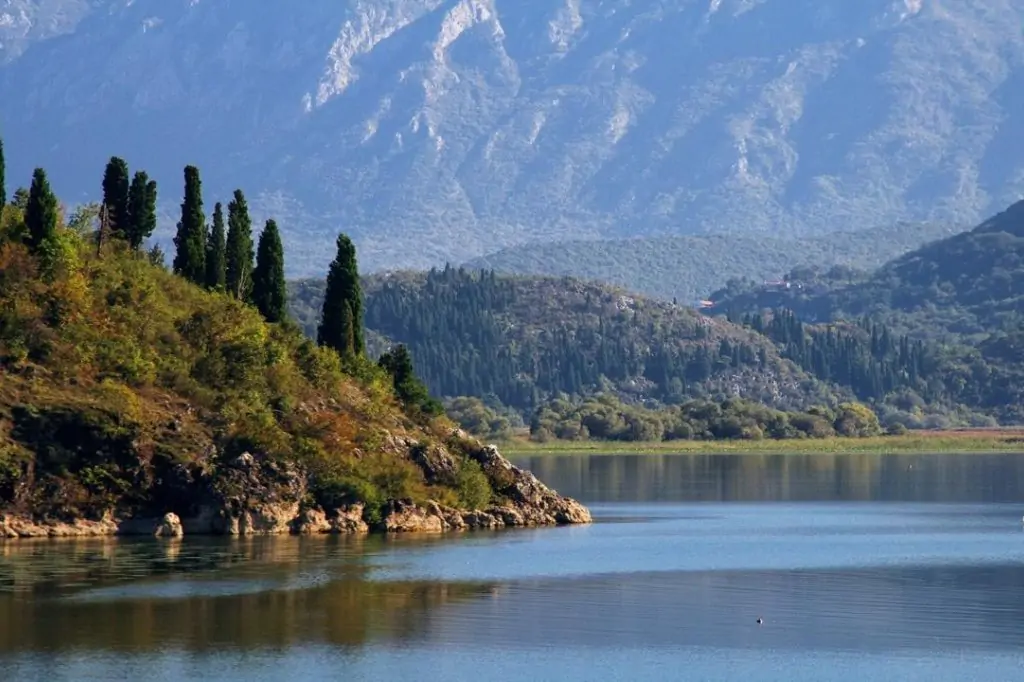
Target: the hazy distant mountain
(440, 130)
(693, 266)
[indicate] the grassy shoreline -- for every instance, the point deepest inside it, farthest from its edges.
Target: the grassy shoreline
(926, 442)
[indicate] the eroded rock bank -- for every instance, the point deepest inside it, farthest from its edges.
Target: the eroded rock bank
(252, 495)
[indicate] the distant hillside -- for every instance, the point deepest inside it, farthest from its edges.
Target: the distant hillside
(965, 292)
(689, 267)
(965, 287)
(527, 339)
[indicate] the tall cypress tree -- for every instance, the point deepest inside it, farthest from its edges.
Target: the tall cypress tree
(341, 321)
(239, 252)
(116, 192)
(3, 186)
(215, 267)
(141, 209)
(190, 241)
(268, 287)
(40, 211)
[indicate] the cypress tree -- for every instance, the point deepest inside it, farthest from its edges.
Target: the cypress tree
(116, 192)
(215, 265)
(190, 241)
(141, 209)
(40, 211)
(268, 287)
(341, 322)
(3, 187)
(239, 252)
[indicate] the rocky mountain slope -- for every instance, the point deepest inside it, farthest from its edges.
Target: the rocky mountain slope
(438, 130)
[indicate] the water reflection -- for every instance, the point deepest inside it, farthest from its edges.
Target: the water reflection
(207, 595)
(793, 478)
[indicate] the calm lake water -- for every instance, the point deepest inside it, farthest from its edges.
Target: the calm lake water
(862, 567)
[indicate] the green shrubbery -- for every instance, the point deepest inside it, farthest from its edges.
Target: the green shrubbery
(606, 418)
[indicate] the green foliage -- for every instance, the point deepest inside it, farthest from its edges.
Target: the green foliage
(215, 252)
(341, 320)
(269, 292)
(156, 257)
(961, 296)
(121, 380)
(239, 247)
(3, 183)
(115, 197)
(480, 419)
(410, 390)
(605, 418)
(471, 485)
(40, 212)
(190, 241)
(526, 340)
(141, 209)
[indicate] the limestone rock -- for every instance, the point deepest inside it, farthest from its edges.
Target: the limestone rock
(169, 527)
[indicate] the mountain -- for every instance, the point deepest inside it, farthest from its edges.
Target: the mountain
(690, 267)
(443, 130)
(963, 288)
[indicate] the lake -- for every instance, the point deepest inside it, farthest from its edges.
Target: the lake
(861, 567)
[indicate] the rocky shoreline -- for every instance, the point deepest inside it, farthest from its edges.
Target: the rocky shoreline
(252, 498)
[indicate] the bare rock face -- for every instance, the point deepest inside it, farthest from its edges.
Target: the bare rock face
(255, 495)
(20, 527)
(529, 502)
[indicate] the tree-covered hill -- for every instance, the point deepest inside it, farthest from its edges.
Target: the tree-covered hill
(520, 342)
(526, 339)
(963, 294)
(690, 267)
(965, 287)
(128, 391)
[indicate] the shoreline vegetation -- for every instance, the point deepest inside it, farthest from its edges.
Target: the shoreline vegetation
(950, 441)
(138, 400)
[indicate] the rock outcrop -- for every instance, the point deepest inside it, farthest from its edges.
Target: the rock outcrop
(252, 495)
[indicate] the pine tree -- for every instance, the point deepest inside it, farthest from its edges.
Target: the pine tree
(341, 322)
(215, 261)
(190, 241)
(268, 286)
(40, 212)
(3, 187)
(116, 192)
(408, 387)
(239, 252)
(141, 209)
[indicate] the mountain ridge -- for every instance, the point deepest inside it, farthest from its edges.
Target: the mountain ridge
(441, 130)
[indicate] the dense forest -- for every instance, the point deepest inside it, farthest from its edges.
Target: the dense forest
(526, 340)
(523, 342)
(959, 300)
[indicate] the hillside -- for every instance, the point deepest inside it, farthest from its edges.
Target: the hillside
(525, 340)
(128, 394)
(690, 267)
(521, 342)
(964, 294)
(443, 130)
(965, 287)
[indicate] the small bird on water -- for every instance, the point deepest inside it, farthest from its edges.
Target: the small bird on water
(759, 621)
